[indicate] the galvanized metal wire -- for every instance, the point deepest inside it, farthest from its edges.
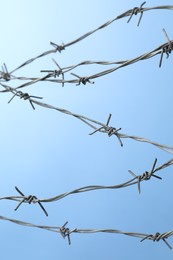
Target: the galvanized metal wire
(66, 232)
(94, 124)
(137, 179)
(51, 76)
(4, 74)
(165, 48)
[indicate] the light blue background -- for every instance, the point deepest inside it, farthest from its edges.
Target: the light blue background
(46, 153)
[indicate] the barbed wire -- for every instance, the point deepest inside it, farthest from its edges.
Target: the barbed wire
(137, 179)
(165, 48)
(66, 232)
(94, 124)
(4, 74)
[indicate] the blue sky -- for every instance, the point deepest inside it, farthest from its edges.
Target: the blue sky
(46, 153)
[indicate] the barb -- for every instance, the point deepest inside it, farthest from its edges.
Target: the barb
(166, 49)
(58, 47)
(109, 130)
(157, 237)
(30, 199)
(24, 199)
(66, 232)
(4, 74)
(55, 73)
(20, 94)
(60, 71)
(146, 175)
(135, 11)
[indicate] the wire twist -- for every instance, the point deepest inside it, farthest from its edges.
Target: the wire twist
(157, 237)
(20, 94)
(167, 48)
(4, 74)
(30, 199)
(135, 11)
(109, 130)
(65, 232)
(58, 47)
(55, 73)
(146, 175)
(82, 80)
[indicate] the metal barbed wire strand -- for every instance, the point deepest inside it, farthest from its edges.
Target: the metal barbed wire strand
(56, 73)
(164, 48)
(130, 13)
(33, 59)
(103, 128)
(31, 82)
(65, 232)
(61, 47)
(147, 175)
(137, 179)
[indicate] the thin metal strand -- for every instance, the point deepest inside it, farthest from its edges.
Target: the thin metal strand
(160, 50)
(63, 231)
(103, 128)
(59, 48)
(137, 179)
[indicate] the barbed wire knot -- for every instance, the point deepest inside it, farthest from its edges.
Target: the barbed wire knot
(135, 11)
(59, 72)
(146, 175)
(4, 74)
(82, 80)
(109, 130)
(22, 95)
(55, 73)
(157, 237)
(166, 49)
(29, 199)
(65, 232)
(58, 47)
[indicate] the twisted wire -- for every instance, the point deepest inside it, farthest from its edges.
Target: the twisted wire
(59, 48)
(66, 232)
(97, 126)
(164, 48)
(160, 50)
(137, 179)
(94, 124)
